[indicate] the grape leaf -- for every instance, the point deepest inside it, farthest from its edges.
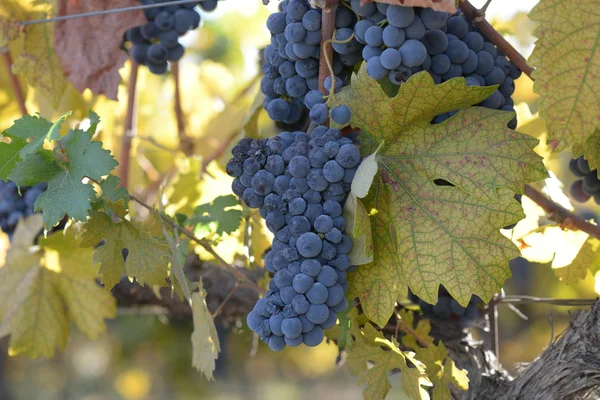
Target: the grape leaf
(42, 292)
(89, 49)
(66, 193)
(205, 340)
(422, 330)
(33, 170)
(587, 258)
(370, 348)
(442, 371)
(146, 257)
(35, 131)
(38, 62)
(184, 191)
(427, 235)
(567, 58)
(113, 191)
(358, 228)
(9, 156)
(11, 13)
(589, 149)
(217, 216)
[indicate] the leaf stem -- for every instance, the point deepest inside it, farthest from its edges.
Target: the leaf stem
(128, 131)
(186, 145)
(560, 214)
(205, 244)
(327, 29)
(477, 18)
(14, 81)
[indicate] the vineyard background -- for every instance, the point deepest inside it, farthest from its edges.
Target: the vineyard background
(145, 357)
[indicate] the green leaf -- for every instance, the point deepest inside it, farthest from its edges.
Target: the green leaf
(43, 292)
(113, 191)
(358, 228)
(442, 371)
(94, 121)
(218, 217)
(566, 57)
(426, 234)
(386, 356)
(10, 156)
(33, 170)
(35, 131)
(145, 258)
(205, 340)
(66, 193)
(587, 258)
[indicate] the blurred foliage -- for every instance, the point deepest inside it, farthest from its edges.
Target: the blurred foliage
(148, 357)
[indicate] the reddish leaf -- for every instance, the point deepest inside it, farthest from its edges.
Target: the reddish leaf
(448, 6)
(89, 48)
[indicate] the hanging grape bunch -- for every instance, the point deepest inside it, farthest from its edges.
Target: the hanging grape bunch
(589, 184)
(157, 43)
(448, 308)
(14, 206)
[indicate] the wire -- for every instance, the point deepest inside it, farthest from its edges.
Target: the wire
(106, 12)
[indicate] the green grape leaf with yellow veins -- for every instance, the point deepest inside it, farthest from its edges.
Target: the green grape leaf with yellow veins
(220, 216)
(567, 61)
(385, 355)
(205, 340)
(44, 291)
(146, 258)
(442, 371)
(587, 258)
(427, 235)
(66, 193)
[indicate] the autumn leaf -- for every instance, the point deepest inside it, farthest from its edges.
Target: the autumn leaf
(205, 340)
(421, 330)
(566, 57)
(429, 235)
(588, 258)
(89, 49)
(442, 371)
(385, 355)
(589, 149)
(145, 257)
(43, 291)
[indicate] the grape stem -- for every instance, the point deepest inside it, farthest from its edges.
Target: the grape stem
(477, 18)
(560, 214)
(14, 81)
(186, 145)
(327, 29)
(129, 131)
(205, 244)
(238, 284)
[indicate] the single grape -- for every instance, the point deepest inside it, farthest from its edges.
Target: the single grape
(341, 115)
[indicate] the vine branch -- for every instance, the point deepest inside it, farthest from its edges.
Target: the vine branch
(128, 131)
(327, 29)
(186, 145)
(14, 81)
(477, 18)
(204, 243)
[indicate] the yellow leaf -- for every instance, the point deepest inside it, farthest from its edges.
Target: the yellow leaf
(183, 192)
(205, 340)
(587, 258)
(442, 371)
(44, 289)
(146, 257)
(567, 61)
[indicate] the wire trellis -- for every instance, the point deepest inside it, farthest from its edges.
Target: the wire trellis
(106, 12)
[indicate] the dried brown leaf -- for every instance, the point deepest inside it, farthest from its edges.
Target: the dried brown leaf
(448, 6)
(89, 48)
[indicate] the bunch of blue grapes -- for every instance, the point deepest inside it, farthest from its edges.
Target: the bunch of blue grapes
(15, 206)
(589, 184)
(291, 66)
(299, 182)
(157, 43)
(448, 308)
(397, 42)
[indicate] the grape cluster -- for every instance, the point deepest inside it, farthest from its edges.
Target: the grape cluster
(14, 205)
(291, 66)
(397, 42)
(589, 185)
(448, 308)
(157, 43)
(299, 183)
